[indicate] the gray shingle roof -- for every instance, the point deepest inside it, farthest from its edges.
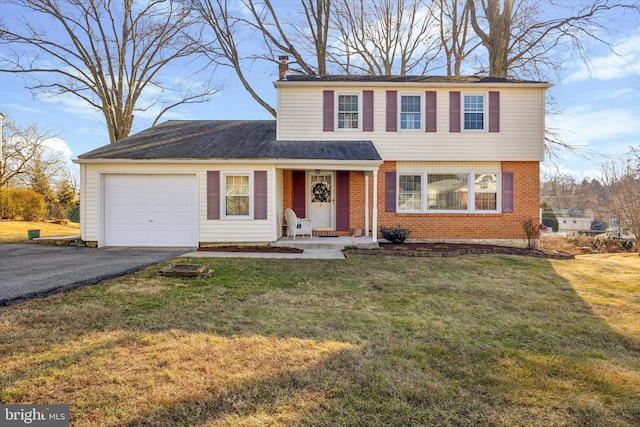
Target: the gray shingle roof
(227, 139)
(403, 79)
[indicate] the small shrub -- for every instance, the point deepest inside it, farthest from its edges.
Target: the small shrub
(424, 249)
(400, 248)
(265, 246)
(350, 247)
(395, 235)
(531, 232)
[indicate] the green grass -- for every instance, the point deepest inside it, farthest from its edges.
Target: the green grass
(471, 340)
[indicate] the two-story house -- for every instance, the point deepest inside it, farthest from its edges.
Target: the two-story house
(450, 158)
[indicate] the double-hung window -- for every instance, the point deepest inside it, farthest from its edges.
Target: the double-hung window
(448, 192)
(486, 191)
(474, 114)
(237, 195)
(410, 112)
(410, 193)
(348, 111)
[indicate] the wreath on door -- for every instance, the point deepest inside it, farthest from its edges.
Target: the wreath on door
(321, 192)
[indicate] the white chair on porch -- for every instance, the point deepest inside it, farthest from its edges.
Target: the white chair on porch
(297, 226)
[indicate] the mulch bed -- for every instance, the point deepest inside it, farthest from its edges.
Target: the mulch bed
(452, 249)
(254, 249)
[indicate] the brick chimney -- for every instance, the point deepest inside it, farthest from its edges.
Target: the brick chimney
(283, 67)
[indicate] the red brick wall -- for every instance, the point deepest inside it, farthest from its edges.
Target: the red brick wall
(472, 225)
(445, 225)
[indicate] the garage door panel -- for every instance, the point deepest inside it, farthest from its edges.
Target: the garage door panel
(150, 210)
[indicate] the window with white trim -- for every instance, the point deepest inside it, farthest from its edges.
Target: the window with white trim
(448, 192)
(237, 195)
(410, 193)
(474, 112)
(486, 191)
(410, 112)
(348, 111)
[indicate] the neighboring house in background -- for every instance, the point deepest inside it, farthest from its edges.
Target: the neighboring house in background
(450, 158)
(574, 221)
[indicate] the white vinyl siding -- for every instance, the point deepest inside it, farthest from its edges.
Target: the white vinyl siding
(521, 136)
(227, 230)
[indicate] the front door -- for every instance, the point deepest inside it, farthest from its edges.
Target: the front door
(321, 199)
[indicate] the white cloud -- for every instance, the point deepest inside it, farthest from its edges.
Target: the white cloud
(603, 130)
(59, 146)
(624, 62)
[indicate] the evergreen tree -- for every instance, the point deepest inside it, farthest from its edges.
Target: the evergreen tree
(549, 217)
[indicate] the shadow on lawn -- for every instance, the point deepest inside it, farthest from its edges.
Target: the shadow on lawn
(360, 342)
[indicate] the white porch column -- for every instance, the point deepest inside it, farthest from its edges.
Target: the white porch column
(366, 203)
(374, 227)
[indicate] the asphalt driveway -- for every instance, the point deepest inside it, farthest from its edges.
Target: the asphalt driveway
(31, 270)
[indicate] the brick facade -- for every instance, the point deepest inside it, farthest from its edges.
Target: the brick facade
(445, 226)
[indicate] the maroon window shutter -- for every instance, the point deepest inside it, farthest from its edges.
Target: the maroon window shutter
(213, 194)
(507, 192)
(390, 192)
(430, 111)
(342, 201)
(454, 111)
(327, 111)
(367, 110)
(392, 111)
(299, 193)
(494, 111)
(260, 195)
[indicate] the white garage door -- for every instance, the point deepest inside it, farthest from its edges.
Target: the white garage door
(150, 210)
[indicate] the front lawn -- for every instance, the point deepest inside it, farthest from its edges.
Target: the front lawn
(16, 231)
(473, 340)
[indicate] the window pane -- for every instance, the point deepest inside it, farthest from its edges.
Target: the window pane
(410, 192)
(237, 195)
(486, 192)
(448, 192)
(347, 111)
(474, 112)
(410, 112)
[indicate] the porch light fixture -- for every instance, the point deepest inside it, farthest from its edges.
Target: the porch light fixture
(318, 171)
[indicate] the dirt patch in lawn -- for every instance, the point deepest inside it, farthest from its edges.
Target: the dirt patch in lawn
(255, 249)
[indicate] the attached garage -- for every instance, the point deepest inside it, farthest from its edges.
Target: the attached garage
(150, 210)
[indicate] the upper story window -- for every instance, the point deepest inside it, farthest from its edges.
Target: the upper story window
(348, 111)
(474, 112)
(410, 112)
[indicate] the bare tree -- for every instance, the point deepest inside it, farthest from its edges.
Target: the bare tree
(623, 180)
(455, 34)
(521, 35)
(383, 37)
(25, 154)
(107, 53)
(238, 29)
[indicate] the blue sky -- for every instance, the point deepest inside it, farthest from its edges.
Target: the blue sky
(598, 106)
